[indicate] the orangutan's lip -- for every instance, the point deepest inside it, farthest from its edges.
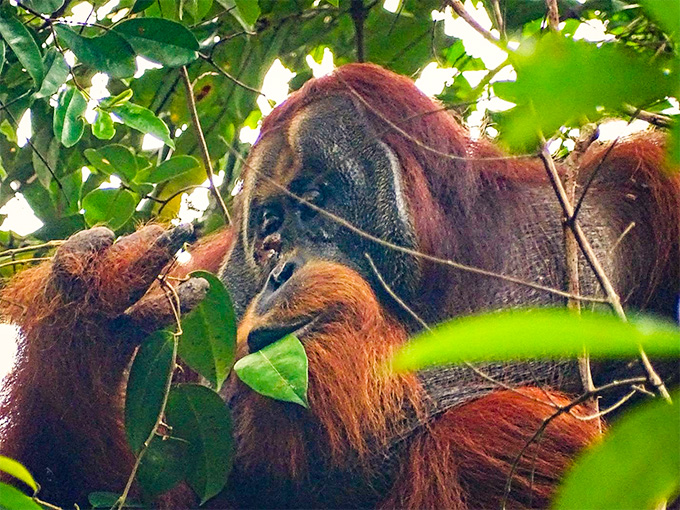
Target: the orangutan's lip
(262, 336)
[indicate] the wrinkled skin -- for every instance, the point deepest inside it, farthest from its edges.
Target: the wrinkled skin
(331, 158)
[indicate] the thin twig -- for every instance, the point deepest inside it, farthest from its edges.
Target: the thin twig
(24, 261)
(46, 504)
(587, 137)
(625, 232)
(561, 410)
(553, 15)
(655, 119)
(427, 327)
(600, 414)
(594, 263)
(174, 302)
(591, 178)
(358, 14)
(40, 156)
(166, 201)
(459, 9)
(499, 19)
(191, 103)
(35, 247)
(228, 76)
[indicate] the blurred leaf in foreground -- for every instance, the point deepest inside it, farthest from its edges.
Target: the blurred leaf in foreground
(636, 466)
(541, 333)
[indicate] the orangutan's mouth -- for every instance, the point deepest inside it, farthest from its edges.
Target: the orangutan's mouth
(262, 336)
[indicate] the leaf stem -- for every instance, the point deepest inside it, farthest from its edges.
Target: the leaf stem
(174, 301)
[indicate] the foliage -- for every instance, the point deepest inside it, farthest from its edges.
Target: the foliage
(197, 445)
(542, 333)
(228, 47)
(279, 371)
(208, 341)
(640, 459)
(48, 65)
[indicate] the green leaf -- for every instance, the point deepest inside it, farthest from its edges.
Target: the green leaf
(114, 159)
(60, 228)
(8, 130)
(103, 127)
(68, 123)
(57, 73)
(560, 81)
(173, 167)
(163, 466)
(14, 499)
(146, 387)
(109, 499)
(197, 9)
(334, 3)
(18, 471)
(160, 40)
(142, 119)
(245, 12)
(116, 100)
(20, 41)
(208, 343)
(541, 333)
(141, 5)
(249, 10)
(112, 207)
(43, 6)
(198, 415)
(666, 14)
(109, 53)
(278, 371)
(636, 466)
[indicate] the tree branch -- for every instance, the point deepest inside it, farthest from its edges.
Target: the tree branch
(191, 103)
(358, 13)
(594, 263)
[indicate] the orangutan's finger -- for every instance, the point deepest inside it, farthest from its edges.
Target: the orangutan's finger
(158, 310)
(74, 260)
(133, 263)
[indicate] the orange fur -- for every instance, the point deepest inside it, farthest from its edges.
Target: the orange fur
(464, 459)
(64, 403)
(65, 399)
(351, 397)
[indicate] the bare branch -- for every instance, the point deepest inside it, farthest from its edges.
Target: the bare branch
(358, 13)
(35, 247)
(655, 119)
(191, 103)
(459, 9)
(553, 15)
(228, 76)
(594, 263)
(174, 301)
(587, 137)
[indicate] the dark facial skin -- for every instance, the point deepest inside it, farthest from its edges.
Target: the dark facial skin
(329, 155)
